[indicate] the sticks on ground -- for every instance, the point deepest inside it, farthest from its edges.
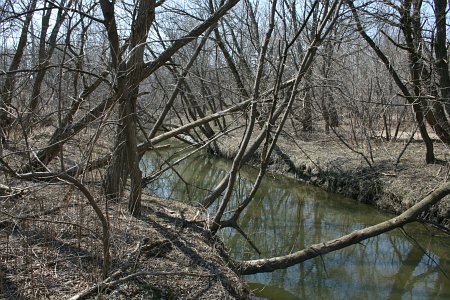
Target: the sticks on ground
(112, 281)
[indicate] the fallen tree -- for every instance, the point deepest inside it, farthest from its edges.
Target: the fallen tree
(285, 261)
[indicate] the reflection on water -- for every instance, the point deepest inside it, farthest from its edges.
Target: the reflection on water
(287, 216)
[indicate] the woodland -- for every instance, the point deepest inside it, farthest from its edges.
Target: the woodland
(88, 87)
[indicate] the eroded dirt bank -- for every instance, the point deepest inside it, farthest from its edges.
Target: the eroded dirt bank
(394, 181)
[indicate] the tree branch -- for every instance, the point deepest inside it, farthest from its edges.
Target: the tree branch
(281, 262)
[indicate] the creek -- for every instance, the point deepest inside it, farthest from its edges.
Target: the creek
(286, 216)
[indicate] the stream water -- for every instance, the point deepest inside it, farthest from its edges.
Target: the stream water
(287, 216)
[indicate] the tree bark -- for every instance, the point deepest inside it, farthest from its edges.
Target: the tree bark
(440, 50)
(45, 53)
(125, 161)
(10, 81)
(418, 112)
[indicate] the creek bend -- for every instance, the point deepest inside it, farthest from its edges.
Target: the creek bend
(286, 216)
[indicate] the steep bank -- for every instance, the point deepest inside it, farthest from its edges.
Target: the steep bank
(52, 248)
(51, 242)
(393, 182)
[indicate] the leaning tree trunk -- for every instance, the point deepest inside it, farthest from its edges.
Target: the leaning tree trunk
(357, 236)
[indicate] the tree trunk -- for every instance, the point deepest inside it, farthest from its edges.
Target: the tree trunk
(282, 262)
(10, 81)
(418, 109)
(440, 49)
(45, 53)
(307, 123)
(125, 160)
(441, 64)
(410, 25)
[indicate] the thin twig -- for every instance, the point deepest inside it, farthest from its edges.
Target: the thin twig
(424, 251)
(406, 146)
(33, 218)
(247, 238)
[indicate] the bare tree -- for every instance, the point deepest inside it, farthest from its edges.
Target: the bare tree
(423, 91)
(46, 49)
(9, 86)
(117, 73)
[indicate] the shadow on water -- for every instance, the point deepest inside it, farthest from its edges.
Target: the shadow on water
(287, 216)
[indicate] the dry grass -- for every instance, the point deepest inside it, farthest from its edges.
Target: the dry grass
(51, 240)
(51, 248)
(323, 160)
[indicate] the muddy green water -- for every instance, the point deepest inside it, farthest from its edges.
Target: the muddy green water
(286, 216)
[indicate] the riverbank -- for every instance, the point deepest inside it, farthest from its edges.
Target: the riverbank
(51, 248)
(396, 179)
(51, 239)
